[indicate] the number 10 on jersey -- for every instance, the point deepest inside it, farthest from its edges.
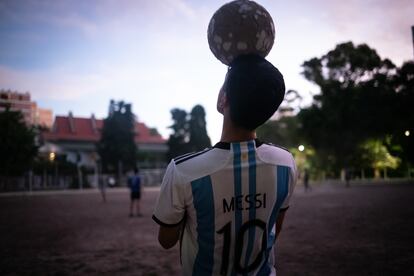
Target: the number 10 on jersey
(238, 249)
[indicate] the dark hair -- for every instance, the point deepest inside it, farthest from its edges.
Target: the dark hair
(254, 90)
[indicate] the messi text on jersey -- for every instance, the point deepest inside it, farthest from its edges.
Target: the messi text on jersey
(244, 202)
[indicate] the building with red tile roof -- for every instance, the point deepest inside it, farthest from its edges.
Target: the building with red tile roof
(76, 138)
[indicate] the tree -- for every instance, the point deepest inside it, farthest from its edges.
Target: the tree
(282, 132)
(199, 139)
(356, 100)
(17, 144)
(189, 132)
(117, 147)
(376, 154)
(178, 140)
(403, 116)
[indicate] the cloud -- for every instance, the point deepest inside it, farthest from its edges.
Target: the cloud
(72, 21)
(90, 17)
(52, 84)
(34, 15)
(391, 15)
(383, 24)
(182, 8)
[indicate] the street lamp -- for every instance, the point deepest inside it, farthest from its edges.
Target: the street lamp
(301, 148)
(407, 133)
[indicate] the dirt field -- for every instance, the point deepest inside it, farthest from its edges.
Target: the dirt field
(362, 230)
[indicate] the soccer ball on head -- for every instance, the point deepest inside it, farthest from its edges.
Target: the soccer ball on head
(238, 28)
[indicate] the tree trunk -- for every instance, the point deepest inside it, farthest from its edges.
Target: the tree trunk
(119, 173)
(343, 174)
(377, 173)
(30, 180)
(44, 179)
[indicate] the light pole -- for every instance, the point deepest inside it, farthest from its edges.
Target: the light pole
(52, 157)
(412, 34)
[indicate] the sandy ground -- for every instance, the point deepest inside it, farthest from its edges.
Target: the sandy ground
(332, 230)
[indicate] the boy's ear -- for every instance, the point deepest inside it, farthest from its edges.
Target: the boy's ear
(222, 102)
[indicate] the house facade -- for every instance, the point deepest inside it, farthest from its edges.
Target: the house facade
(76, 138)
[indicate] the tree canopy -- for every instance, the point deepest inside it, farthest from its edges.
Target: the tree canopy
(404, 116)
(17, 144)
(282, 132)
(189, 131)
(117, 144)
(357, 101)
(361, 118)
(178, 140)
(199, 139)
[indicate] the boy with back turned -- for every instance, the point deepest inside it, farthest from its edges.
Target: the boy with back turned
(226, 204)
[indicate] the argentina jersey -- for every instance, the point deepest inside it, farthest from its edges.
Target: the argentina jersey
(228, 198)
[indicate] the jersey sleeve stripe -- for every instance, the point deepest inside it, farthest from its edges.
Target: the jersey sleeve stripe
(203, 200)
(154, 218)
(191, 156)
(183, 156)
(180, 157)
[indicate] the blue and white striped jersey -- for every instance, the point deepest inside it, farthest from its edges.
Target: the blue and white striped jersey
(229, 197)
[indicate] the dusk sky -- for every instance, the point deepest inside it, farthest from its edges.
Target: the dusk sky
(77, 55)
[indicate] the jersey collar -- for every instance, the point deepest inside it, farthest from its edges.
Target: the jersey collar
(227, 145)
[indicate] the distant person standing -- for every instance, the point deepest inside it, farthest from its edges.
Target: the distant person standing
(348, 176)
(102, 187)
(134, 184)
(306, 180)
(101, 182)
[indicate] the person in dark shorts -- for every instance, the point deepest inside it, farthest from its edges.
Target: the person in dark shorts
(306, 180)
(134, 184)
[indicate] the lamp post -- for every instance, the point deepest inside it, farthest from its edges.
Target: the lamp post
(412, 34)
(52, 158)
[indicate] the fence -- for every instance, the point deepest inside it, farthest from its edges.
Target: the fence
(32, 182)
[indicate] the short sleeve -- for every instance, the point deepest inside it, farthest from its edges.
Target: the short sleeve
(292, 183)
(170, 207)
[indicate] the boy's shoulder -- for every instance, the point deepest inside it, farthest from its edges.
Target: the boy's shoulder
(276, 155)
(276, 146)
(194, 165)
(188, 156)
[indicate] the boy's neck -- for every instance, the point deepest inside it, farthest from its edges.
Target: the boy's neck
(233, 133)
